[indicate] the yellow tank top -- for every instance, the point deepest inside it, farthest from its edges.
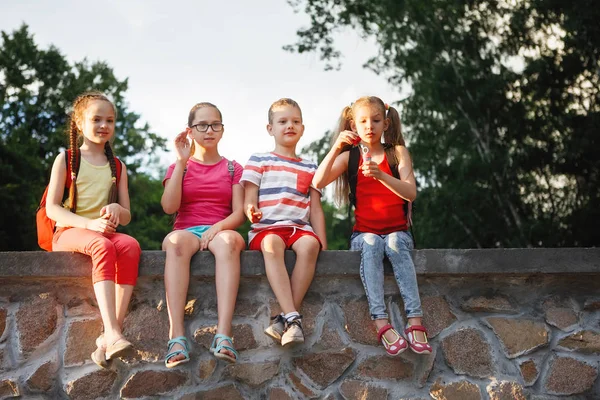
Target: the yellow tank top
(93, 185)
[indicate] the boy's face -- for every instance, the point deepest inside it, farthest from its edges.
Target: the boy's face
(286, 127)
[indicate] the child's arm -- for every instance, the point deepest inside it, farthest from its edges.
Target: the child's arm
(235, 219)
(251, 202)
(55, 210)
(406, 186)
(119, 213)
(335, 162)
(171, 198)
(317, 217)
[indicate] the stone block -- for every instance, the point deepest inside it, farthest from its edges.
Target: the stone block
(229, 392)
(357, 390)
(152, 383)
(561, 317)
(358, 322)
(587, 342)
(382, 367)
(519, 336)
(9, 388)
(36, 321)
(242, 336)
(3, 314)
(148, 330)
(529, 371)
(253, 374)
(424, 367)
(329, 339)
(44, 377)
(81, 341)
(91, 386)
(206, 367)
(568, 376)
(467, 352)
(437, 315)
(301, 386)
(82, 309)
(592, 304)
(325, 367)
(492, 304)
(506, 391)
(461, 390)
(279, 393)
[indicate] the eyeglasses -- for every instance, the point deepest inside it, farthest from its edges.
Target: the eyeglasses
(216, 127)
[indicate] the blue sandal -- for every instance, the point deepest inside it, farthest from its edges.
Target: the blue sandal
(183, 342)
(217, 345)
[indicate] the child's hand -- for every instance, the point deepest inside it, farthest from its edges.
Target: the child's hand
(112, 212)
(102, 225)
(254, 214)
(208, 236)
(346, 138)
(183, 146)
(370, 169)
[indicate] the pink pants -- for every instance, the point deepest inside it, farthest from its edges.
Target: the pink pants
(115, 257)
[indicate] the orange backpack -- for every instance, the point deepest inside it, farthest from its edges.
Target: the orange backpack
(45, 225)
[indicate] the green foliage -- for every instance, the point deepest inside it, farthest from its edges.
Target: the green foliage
(503, 120)
(37, 88)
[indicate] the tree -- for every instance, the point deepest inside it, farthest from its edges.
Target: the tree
(503, 120)
(37, 87)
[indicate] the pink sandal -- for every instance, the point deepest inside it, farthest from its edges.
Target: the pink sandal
(415, 345)
(392, 348)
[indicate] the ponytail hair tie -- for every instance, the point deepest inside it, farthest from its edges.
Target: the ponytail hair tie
(73, 176)
(387, 106)
(114, 180)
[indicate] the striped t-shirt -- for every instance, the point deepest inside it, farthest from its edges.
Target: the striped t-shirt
(283, 190)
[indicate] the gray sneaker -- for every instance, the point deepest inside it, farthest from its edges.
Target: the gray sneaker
(275, 330)
(293, 332)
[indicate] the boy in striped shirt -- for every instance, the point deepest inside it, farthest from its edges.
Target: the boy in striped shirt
(285, 211)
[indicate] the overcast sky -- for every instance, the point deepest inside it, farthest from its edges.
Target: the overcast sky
(178, 53)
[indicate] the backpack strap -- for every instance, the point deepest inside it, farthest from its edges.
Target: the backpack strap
(230, 169)
(119, 168)
(353, 159)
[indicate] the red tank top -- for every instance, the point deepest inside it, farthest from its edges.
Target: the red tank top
(378, 210)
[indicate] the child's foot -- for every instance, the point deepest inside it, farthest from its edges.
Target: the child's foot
(392, 341)
(293, 332)
(222, 348)
(275, 330)
(417, 339)
(178, 352)
(99, 355)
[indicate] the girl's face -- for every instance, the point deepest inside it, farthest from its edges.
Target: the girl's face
(369, 122)
(97, 122)
(207, 116)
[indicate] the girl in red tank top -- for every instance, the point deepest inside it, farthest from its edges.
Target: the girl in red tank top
(381, 223)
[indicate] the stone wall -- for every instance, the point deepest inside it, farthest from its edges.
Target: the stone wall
(504, 324)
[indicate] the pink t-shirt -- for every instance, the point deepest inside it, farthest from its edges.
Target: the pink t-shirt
(207, 193)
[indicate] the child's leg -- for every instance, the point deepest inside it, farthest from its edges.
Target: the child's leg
(307, 250)
(371, 247)
(397, 248)
(128, 260)
(226, 247)
(273, 249)
(104, 258)
(180, 246)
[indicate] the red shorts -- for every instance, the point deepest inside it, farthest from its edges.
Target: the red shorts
(289, 234)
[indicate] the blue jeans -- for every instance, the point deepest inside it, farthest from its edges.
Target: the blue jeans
(396, 246)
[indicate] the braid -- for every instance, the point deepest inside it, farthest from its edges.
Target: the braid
(79, 106)
(113, 193)
(73, 163)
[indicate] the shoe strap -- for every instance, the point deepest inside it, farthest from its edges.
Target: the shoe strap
(383, 330)
(411, 328)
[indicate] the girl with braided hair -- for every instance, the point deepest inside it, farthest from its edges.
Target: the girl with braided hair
(86, 222)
